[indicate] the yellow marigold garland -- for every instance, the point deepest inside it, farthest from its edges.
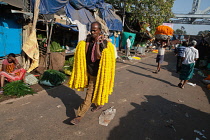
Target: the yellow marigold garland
(164, 30)
(106, 73)
(79, 79)
(105, 78)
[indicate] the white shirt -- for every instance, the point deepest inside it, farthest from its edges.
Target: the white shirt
(190, 53)
(161, 50)
(128, 43)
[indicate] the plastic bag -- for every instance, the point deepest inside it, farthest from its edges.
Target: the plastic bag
(31, 79)
(106, 116)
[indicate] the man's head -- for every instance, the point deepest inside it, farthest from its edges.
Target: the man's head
(184, 43)
(95, 29)
(10, 57)
(130, 37)
(193, 43)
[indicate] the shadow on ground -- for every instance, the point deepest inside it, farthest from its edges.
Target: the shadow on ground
(149, 76)
(161, 119)
(70, 99)
(197, 79)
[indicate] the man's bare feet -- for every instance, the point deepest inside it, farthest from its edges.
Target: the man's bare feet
(76, 120)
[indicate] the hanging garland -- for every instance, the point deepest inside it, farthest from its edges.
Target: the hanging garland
(105, 78)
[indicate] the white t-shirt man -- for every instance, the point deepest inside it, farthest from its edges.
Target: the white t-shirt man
(190, 53)
(128, 43)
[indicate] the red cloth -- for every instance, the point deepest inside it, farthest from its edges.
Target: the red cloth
(19, 75)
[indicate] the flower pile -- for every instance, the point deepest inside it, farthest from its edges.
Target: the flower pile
(106, 73)
(163, 32)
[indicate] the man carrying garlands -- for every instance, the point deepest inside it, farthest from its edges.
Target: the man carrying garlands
(94, 69)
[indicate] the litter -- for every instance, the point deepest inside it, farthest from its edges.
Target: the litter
(106, 116)
(201, 73)
(180, 101)
(191, 84)
(187, 115)
(201, 134)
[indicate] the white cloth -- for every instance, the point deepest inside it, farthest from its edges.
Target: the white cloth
(128, 43)
(161, 51)
(190, 53)
(82, 30)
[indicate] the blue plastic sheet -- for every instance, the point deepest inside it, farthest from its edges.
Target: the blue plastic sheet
(49, 6)
(83, 15)
(88, 4)
(112, 20)
(80, 10)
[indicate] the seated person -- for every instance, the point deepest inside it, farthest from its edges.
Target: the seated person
(11, 71)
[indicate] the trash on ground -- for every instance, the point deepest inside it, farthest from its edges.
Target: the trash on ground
(187, 115)
(201, 73)
(106, 116)
(58, 106)
(201, 134)
(169, 123)
(191, 84)
(180, 101)
(206, 81)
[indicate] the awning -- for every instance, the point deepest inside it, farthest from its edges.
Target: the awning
(15, 3)
(81, 10)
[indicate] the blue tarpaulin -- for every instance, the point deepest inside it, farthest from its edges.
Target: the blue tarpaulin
(88, 4)
(83, 15)
(80, 10)
(112, 20)
(49, 6)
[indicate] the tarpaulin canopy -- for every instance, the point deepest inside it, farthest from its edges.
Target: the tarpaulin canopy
(15, 3)
(80, 10)
(112, 20)
(49, 6)
(82, 15)
(88, 4)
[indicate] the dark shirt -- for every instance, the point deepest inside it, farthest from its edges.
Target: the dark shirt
(92, 67)
(180, 50)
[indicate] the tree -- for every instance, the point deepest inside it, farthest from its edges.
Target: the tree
(180, 32)
(203, 33)
(154, 12)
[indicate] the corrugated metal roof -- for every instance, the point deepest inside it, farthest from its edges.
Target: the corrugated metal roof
(15, 3)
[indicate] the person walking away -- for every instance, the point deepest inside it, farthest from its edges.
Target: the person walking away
(189, 56)
(95, 48)
(128, 46)
(178, 52)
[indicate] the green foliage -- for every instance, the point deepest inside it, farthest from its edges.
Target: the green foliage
(203, 33)
(56, 47)
(53, 76)
(69, 63)
(180, 32)
(154, 12)
(17, 88)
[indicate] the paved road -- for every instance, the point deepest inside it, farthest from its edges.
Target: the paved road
(149, 107)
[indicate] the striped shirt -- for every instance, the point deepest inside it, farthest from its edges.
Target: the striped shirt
(180, 50)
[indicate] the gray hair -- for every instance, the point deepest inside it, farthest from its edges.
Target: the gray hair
(193, 43)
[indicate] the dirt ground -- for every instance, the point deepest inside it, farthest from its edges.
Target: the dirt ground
(149, 107)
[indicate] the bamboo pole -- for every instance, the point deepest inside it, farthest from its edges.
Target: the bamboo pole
(47, 62)
(36, 13)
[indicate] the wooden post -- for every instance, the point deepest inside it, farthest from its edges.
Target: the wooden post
(48, 45)
(36, 14)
